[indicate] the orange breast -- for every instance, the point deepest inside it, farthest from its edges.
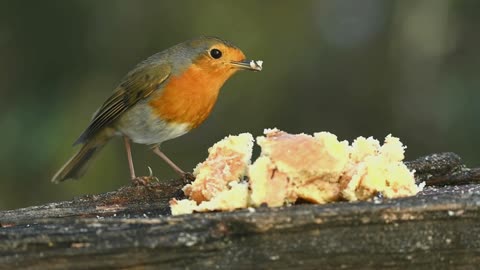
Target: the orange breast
(189, 97)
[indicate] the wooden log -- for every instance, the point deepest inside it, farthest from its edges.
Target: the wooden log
(129, 201)
(443, 169)
(130, 228)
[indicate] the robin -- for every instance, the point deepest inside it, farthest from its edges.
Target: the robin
(163, 97)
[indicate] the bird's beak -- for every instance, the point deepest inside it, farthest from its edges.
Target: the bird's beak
(248, 65)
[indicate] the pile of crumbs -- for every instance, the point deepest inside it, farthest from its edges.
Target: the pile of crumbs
(319, 169)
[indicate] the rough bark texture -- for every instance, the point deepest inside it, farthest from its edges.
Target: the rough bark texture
(131, 228)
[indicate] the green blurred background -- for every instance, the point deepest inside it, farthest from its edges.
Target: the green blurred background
(369, 67)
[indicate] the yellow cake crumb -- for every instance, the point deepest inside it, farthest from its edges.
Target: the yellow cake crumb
(234, 198)
(378, 169)
(318, 169)
(311, 165)
(217, 185)
(181, 207)
(268, 185)
(227, 161)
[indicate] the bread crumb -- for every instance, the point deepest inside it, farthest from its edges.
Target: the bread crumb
(257, 65)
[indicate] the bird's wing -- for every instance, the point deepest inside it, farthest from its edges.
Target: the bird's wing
(137, 85)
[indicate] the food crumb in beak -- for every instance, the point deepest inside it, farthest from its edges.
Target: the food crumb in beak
(256, 64)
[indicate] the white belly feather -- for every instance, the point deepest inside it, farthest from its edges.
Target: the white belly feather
(142, 126)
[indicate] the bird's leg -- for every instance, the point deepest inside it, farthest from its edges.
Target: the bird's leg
(159, 153)
(184, 175)
(137, 181)
(129, 157)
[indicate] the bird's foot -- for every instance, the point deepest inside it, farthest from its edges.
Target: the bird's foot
(187, 177)
(144, 180)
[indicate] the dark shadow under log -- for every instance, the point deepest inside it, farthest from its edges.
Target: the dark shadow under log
(131, 228)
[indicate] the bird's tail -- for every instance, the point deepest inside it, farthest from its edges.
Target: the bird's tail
(77, 165)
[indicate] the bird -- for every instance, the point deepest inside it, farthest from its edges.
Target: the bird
(161, 98)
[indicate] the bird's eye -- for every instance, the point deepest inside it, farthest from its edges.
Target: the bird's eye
(215, 53)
